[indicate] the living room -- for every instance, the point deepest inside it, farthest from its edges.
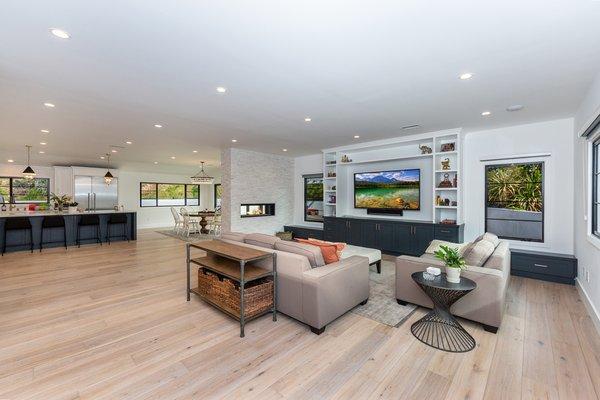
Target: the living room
(300, 200)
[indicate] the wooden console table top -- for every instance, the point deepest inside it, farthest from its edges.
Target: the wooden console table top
(231, 251)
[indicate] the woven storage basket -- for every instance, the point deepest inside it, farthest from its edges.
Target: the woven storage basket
(258, 294)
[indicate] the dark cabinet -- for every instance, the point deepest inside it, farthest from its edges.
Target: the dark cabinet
(304, 232)
(422, 236)
(403, 239)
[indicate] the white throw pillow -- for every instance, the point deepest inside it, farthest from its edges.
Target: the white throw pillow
(435, 246)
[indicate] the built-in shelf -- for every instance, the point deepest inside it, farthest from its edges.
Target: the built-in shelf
(387, 159)
(329, 177)
(450, 188)
(447, 207)
(330, 190)
(439, 153)
(330, 204)
(446, 170)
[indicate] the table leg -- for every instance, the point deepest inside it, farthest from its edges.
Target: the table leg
(242, 311)
(187, 261)
(274, 286)
(203, 225)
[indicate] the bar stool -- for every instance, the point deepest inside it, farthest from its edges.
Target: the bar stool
(17, 224)
(51, 222)
(117, 219)
(88, 220)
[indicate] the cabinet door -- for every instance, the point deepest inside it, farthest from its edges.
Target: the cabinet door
(422, 236)
(329, 229)
(385, 236)
(403, 238)
(353, 235)
(370, 234)
(341, 230)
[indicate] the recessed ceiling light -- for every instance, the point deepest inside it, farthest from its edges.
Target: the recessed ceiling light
(356, 136)
(11, 161)
(60, 33)
(155, 162)
(41, 152)
(157, 125)
(172, 157)
(284, 149)
(129, 142)
(486, 113)
(102, 157)
(43, 143)
(221, 89)
(465, 76)
(113, 151)
(233, 140)
(194, 151)
(45, 131)
(307, 119)
(49, 105)
(514, 107)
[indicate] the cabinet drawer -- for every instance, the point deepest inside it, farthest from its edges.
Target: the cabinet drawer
(449, 234)
(564, 267)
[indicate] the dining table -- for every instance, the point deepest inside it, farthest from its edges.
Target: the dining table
(203, 222)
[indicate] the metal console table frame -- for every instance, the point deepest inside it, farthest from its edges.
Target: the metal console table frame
(247, 273)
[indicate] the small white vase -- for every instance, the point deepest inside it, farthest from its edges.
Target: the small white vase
(72, 210)
(453, 275)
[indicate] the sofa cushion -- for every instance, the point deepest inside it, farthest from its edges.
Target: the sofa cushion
(477, 253)
(233, 236)
(312, 253)
(329, 251)
(262, 240)
(373, 255)
(490, 237)
(435, 246)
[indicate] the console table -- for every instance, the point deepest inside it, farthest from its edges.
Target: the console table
(236, 263)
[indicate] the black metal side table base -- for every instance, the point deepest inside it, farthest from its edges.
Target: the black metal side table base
(442, 332)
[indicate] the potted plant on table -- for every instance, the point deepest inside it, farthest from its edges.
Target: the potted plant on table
(72, 207)
(453, 261)
(60, 201)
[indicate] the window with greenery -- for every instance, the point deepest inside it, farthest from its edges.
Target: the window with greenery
(596, 188)
(168, 194)
(218, 194)
(515, 201)
(313, 198)
(23, 190)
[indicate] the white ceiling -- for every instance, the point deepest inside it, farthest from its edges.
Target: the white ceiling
(356, 67)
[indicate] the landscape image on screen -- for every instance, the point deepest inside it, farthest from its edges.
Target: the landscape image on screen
(388, 189)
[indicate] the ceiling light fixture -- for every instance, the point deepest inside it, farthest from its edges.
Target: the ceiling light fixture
(486, 113)
(284, 149)
(41, 152)
(102, 157)
(201, 177)
(49, 105)
(45, 131)
(194, 151)
(221, 89)
(59, 33)
(307, 119)
(129, 142)
(108, 177)
(233, 140)
(465, 76)
(10, 161)
(155, 162)
(28, 172)
(157, 125)
(43, 143)
(514, 107)
(356, 136)
(113, 151)
(172, 157)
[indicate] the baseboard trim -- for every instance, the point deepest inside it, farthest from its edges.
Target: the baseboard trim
(594, 314)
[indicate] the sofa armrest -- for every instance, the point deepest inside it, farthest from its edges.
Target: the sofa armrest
(331, 290)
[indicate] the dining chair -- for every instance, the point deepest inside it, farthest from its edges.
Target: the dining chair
(177, 219)
(215, 225)
(189, 224)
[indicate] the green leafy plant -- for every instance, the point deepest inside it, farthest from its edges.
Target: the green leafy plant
(516, 187)
(451, 257)
(60, 200)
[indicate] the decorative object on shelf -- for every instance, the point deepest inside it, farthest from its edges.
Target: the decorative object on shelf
(435, 271)
(438, 200)
(454, 203)
(446, 164)
(425, 149)
(453, 261)
(447, 147)
(446, 202)
(201, 177)
(332, 199)
(333, 187)
(446, 182)
(345, 159)
(108, 177)
(331, 174)
(333, 162)
(455, 180)
(448, 221)
(28, 172)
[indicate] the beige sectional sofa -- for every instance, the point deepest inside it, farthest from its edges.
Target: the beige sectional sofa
(485, 304)
(307, 289)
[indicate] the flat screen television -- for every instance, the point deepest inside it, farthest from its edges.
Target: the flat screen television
(388, 190)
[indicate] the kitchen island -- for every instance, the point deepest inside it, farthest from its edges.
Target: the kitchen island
(19, 240)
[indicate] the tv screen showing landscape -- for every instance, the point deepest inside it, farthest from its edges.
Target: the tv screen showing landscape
(398, 189)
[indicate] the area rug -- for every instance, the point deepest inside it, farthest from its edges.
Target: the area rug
(382, 306)
(193, 237)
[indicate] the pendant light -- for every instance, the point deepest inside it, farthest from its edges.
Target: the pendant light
(108, 177)
(28, 172)
(202, 178)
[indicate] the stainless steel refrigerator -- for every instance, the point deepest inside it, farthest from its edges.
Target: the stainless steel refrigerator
(92, 193)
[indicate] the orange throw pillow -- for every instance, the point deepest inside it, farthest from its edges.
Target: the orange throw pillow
(331, 251)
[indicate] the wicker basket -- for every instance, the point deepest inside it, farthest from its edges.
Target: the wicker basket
(224, 292)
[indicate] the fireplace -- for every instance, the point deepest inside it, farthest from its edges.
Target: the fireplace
(257, 210)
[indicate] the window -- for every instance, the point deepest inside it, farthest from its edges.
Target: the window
(218, 194)
(168, 194)
(596, 188)
(313, 198)
(515, 201)
(23, 190)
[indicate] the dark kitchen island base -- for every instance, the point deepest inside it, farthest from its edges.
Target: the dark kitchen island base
(54, 237)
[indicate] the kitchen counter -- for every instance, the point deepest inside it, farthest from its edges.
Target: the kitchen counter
(20, 240)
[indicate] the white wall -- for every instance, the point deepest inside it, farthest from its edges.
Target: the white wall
(252, 177)
(306, 165)
(553, 137)
(587, 253)
(155, 217)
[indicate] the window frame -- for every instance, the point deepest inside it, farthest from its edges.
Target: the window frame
(595, 200)
(11, 192)
(304, 178)
(543, 183)
(185, 198)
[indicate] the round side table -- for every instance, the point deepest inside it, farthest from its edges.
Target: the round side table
(439, 328)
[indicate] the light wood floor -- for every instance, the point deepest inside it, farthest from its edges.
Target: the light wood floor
(112, 323)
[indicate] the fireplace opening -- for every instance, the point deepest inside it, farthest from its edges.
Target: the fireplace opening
(257, 210)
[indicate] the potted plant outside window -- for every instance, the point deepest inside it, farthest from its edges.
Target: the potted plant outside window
(453, 261)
